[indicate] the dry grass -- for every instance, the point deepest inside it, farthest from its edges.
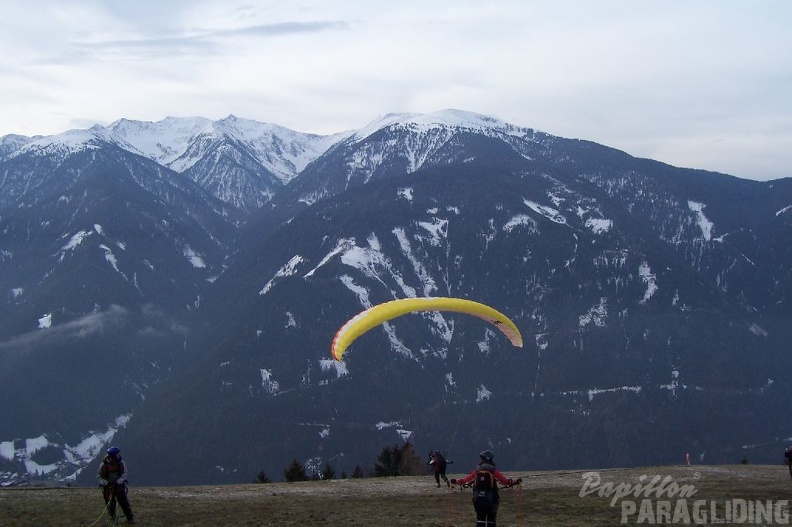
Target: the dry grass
(545, 499)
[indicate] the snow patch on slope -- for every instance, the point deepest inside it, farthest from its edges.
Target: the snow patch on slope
(599, 225)
(268, 382)
(437, 229)
(597, 391)
(194, 258)
(548, 212)
(74, 242)
(704, 224)
(45, 321)
(429, 285)
(645, 272)
(287, 269)
(597, 315)
(74, 457)
(339, 368)
(483, 393)
(520, 220)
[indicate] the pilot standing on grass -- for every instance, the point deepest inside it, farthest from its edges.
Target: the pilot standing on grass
(113, 480)
(485, 478)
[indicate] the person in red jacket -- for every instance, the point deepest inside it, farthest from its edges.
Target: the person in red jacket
(440, 464)
(484, 479)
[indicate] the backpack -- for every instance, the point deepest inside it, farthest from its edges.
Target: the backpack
(485, 489)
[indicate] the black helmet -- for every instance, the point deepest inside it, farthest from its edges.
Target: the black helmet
(487, 456)
(113, 451)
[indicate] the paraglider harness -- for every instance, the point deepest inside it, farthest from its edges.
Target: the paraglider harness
(111, 470)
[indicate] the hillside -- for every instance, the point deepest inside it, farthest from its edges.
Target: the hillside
(201, 268)
(552, 499)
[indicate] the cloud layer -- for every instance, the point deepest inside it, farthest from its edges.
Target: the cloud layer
(699, 84)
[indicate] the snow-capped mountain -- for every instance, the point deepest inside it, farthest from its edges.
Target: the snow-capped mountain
(241, 162)
(403, 143)
(215, 261)
(174, 142)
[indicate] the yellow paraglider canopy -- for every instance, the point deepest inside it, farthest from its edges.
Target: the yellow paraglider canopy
(380, 313)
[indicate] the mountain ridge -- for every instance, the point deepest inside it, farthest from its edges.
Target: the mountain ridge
(652, 299)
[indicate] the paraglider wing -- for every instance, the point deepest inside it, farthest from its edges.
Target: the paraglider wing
(380, 313)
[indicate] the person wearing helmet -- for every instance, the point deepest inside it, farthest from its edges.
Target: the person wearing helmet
(112, 477)
(440, 464)
(788, 459)
(484, 479)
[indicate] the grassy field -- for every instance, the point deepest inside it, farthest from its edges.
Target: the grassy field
(562, 498)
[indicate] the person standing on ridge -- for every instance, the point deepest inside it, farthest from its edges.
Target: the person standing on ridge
(440, 463)
(788, 459)
(485, 478)
(112, 477)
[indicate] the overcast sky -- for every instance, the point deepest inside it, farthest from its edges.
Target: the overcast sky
(695, 83)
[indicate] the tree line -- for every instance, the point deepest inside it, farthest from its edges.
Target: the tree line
(395, 460)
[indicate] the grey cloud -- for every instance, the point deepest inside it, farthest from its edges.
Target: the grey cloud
(89, 325)
(207, 40)
(286, 28)
(114, 318)
(158, 324)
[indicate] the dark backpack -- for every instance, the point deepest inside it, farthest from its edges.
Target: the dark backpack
(485, 489)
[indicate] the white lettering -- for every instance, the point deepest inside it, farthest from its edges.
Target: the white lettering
(658, 487)
(645, 513)
(620, 491)
(592, 481)
(699, 512)
(627, 509)
(782, 512)
(763, 512)
(714, 513)
(647, 490)
(663, 512)
(681, 514)
(739, 511)
(654, 510)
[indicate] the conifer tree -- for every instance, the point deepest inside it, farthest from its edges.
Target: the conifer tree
(295, 472)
